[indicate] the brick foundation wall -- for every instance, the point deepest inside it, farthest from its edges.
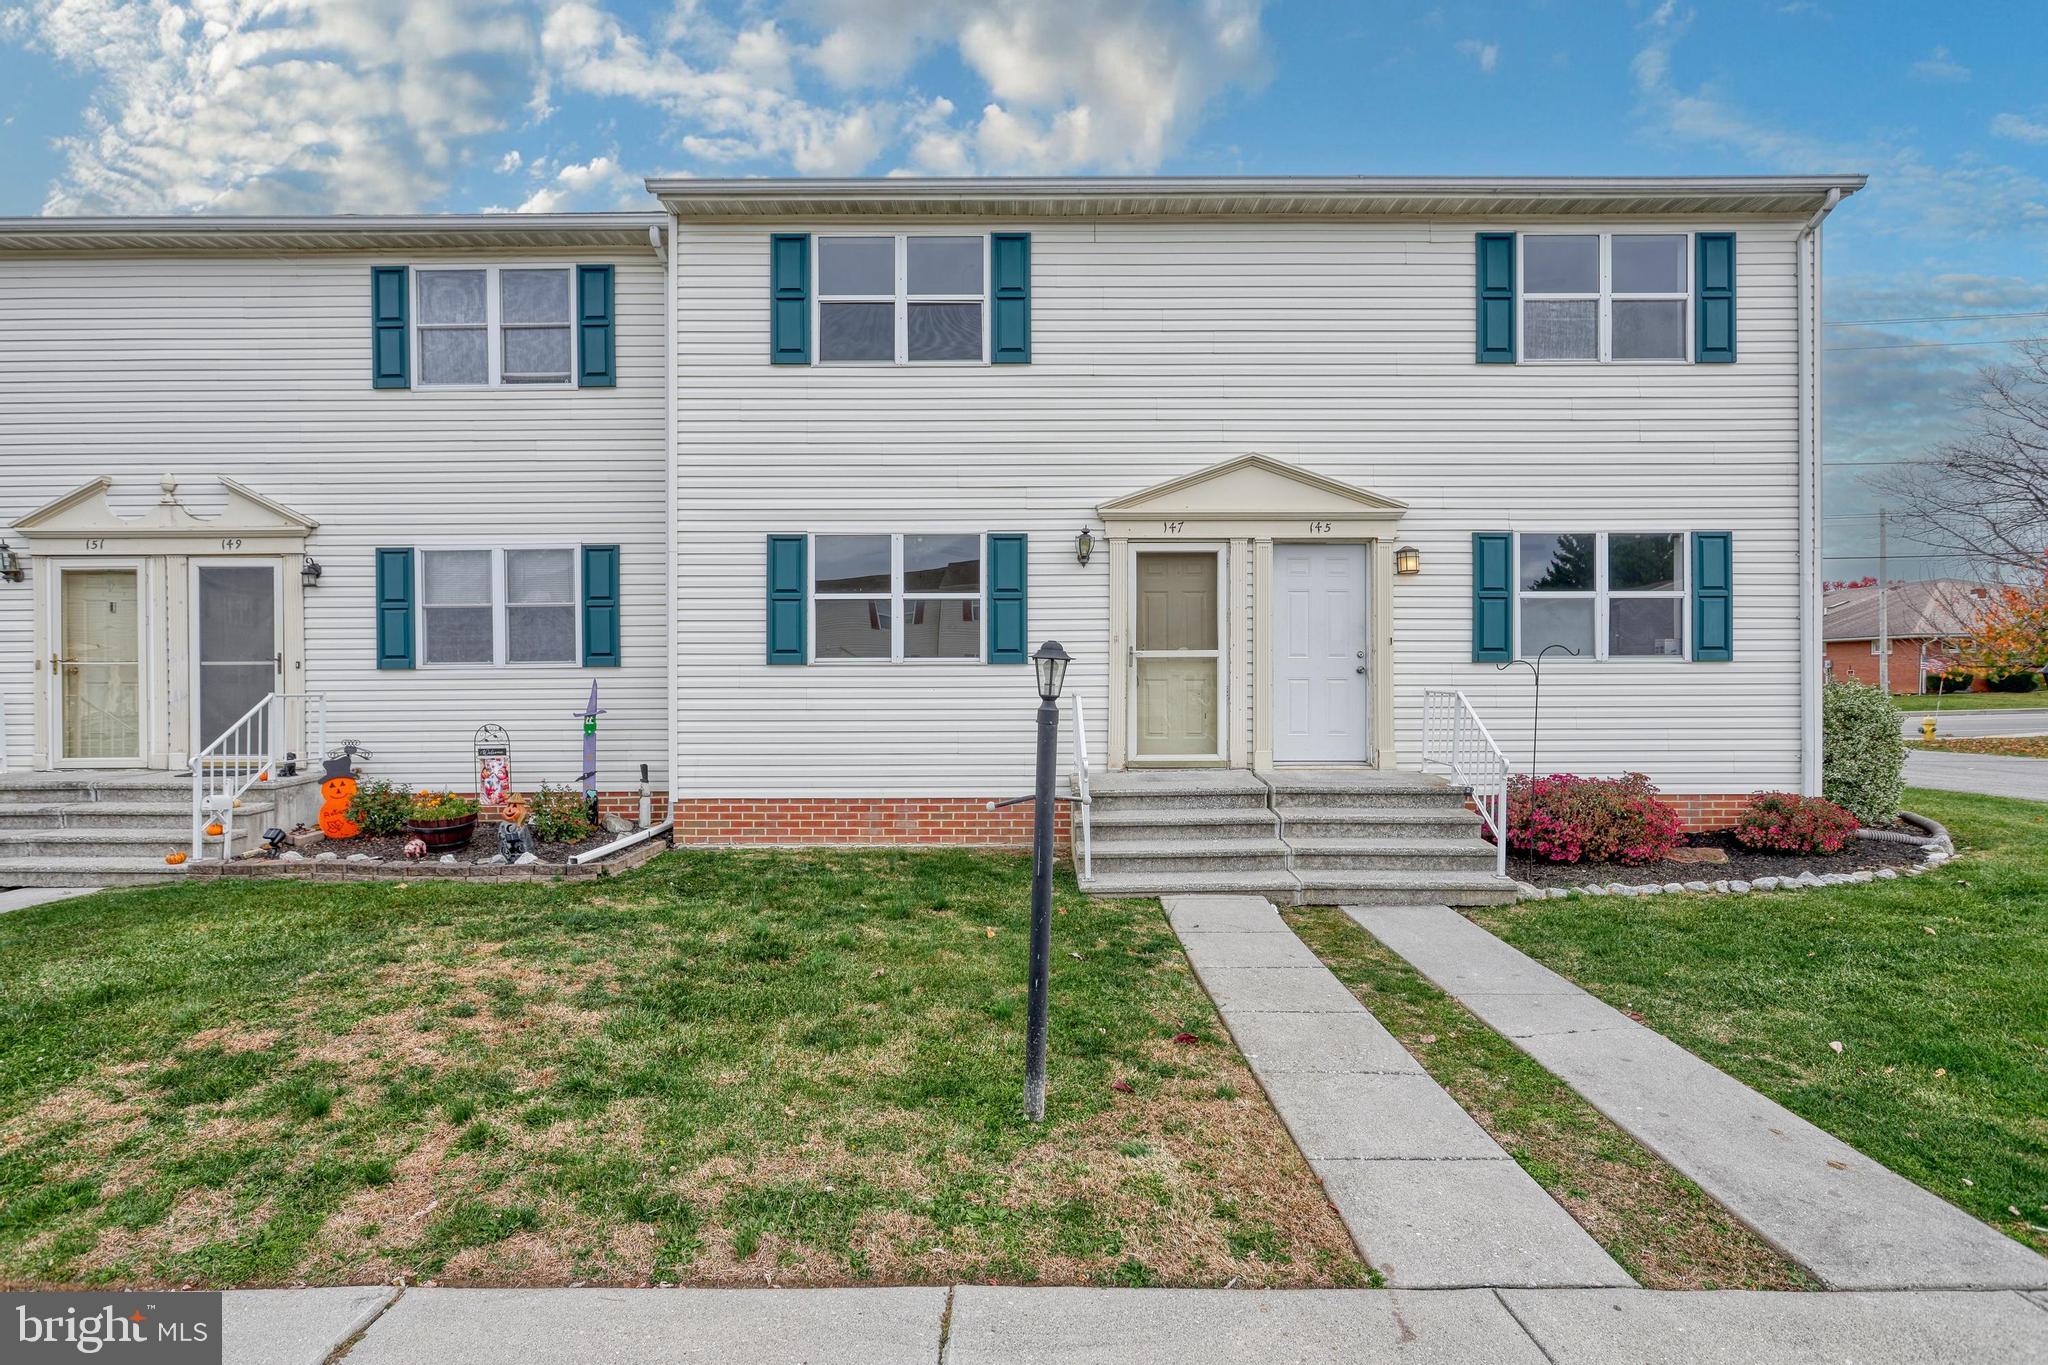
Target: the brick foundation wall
(1713, 811)
(964, 820)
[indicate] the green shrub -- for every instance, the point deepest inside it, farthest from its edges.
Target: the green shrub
(1955, 680)
(440, 806)
(559, 816)
(1863, 751)
(2012, 680)
(381, 807)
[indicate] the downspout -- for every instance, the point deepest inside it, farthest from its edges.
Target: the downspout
(1809, 497)
(668, 513)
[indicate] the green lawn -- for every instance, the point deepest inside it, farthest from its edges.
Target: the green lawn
(1936, 988)
(725, 1068)
(1916, 703)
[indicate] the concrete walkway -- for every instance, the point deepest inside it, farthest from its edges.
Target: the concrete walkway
(1430, 1198)
(1850, 1221)
(975, 1325)
(23, 897)
(1986, 774)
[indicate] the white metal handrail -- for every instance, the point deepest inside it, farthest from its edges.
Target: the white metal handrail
(1456, 740)
(1082, 800)
(248, 753)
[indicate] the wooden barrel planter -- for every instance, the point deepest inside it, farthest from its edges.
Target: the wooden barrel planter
(440, 836)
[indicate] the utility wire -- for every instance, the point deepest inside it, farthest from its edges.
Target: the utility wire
(1929, 345)
(1932, 317)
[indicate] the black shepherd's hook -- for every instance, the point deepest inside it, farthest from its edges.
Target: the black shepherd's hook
(1536, 711)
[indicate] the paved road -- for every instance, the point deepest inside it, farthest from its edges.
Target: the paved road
(1962, 724)
(1987, 774)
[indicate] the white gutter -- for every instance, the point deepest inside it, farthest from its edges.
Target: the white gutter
(1809, 498)
(668, 510)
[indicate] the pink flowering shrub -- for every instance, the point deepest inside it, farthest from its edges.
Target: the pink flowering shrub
(1785, 823)
(1568, 819)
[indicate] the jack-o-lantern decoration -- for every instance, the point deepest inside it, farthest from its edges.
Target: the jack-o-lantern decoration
(337, 790)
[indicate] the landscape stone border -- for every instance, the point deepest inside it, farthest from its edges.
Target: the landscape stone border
(1936, 848)
(361, 867)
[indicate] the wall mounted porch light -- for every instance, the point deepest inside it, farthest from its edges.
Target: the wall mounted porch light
(1084, 545)
(1407, 561)
(309, 572)
(10, 563)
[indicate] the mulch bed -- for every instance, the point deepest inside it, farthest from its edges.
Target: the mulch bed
(1743, 864)
(483, 844)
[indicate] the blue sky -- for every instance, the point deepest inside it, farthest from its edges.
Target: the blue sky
(307, 105)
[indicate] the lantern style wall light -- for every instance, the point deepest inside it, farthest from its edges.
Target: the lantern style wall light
(309, 572)
(10, 563)
(1407, 561)
(1084, 545)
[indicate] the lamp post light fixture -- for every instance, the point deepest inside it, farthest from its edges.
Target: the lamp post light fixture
(309, 572)
(1407, 561)
(1084, 546)
(1051, 664)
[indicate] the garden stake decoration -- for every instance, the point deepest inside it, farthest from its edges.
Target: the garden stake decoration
(589, 715)
(493, 749)
(337, 790)
(1536, 711)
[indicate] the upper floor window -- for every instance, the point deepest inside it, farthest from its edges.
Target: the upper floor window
(1606, 296)
(905, 299)
(487, 325)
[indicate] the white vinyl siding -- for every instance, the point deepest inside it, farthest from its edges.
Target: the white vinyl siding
(258, 367)
(1160, 348)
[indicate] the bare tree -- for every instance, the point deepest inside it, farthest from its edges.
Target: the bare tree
(1984, 496)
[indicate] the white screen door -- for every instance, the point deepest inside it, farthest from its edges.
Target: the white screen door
(1178, 660)
(1320, 680)
(99, 666)
(237, 659)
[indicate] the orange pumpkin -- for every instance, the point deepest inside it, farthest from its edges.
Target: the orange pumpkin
(175, 858)
(214, 830)
(336, 794)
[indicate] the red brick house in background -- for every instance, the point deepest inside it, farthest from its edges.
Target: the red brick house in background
(1926, 619)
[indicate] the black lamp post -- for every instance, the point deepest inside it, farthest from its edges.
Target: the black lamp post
(1051, 662)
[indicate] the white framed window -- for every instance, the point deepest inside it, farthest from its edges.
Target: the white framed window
(494, 326)
(490, 608)
(1602, 595)
(918, 298)
(897, 596)
(1605, 296)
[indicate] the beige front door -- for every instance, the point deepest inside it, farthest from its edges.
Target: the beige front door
(99, 666)
(1177, 659)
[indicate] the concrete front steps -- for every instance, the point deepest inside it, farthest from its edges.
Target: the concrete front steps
(105, 828)
(1296, 837)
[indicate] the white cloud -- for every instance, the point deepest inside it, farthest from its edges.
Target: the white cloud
(1487, 55)
(1940, 68)
(2020, 129)
(259, 106)
(600, 182)
(510, 162)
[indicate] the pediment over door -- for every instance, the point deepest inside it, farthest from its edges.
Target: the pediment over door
(84, 521)
(1253, 495)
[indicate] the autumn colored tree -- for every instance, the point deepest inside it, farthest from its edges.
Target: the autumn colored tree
(2011, 634)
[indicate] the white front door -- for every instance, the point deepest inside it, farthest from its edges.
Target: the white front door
(1321, 681)
(1177, 655)
(98, 666)
(239, 647)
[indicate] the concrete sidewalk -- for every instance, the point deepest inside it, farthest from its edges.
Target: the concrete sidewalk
(1430, 1198)
(1849, 1220)
(976, 1325)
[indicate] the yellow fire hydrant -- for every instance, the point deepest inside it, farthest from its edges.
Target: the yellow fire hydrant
(1927, 728)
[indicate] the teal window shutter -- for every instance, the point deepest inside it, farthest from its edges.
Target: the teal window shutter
(600, 606)
(1713, 596)
(1713, 307)
(1496, 298)
(394, 608)
(1007, 598)
(789, 591)
(1493, 597)
(596, 365)
(390, 337)
(1009, 273)
(789, 302)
